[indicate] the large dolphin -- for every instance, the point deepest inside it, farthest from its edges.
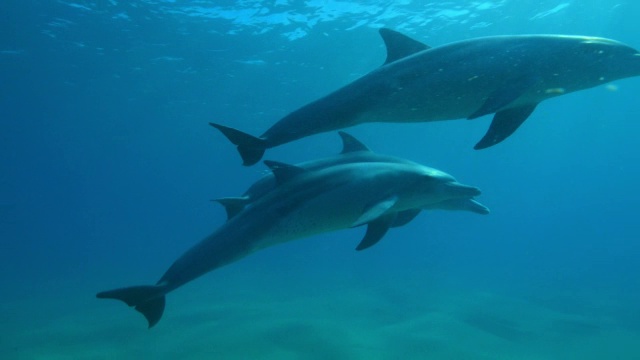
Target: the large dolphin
(303, 203)
(503, 75)
(353, 151)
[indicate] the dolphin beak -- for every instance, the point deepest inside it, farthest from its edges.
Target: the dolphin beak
(456, 189)
(477, 208)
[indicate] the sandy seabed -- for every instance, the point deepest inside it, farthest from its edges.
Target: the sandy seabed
(261, 316)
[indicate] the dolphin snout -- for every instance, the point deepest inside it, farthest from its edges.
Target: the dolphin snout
(476, 207)
(456, 189)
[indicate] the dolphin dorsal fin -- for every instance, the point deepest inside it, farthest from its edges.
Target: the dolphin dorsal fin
(283, 172)
(351, 144)
(399, 45)
(233, 205)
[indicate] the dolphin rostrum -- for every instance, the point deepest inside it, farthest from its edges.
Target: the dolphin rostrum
(303, 203)
(507, 76)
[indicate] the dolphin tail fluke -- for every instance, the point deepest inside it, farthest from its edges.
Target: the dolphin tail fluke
(251, 148)
(147, 300)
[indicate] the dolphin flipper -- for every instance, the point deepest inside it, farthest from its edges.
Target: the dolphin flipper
(377, 228)
(251, 148)
(405, 217)
(504, 124)
(376, 231)
(503, 97)
(375, 211)
(148, 300)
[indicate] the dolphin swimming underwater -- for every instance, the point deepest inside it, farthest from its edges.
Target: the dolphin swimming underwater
(507, 76)
(303, 203)
(353, 151)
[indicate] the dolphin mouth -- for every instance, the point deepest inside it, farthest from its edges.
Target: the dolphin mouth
(477, 207)
(460, 190)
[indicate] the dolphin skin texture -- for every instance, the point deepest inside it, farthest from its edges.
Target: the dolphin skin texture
(507, 76)
(304, 203)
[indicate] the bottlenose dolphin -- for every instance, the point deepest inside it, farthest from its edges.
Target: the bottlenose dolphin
(303, 203)
(353, 151)
(503, 75)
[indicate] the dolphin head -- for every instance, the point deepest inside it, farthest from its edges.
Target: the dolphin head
(605, 60)
(431, 186)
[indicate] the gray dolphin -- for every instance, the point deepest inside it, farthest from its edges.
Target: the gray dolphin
(503, 75)
(303, 203)
(353, 151)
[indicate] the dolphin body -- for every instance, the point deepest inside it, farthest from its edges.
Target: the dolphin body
(303, 203)
(507, 76)
(353, 151)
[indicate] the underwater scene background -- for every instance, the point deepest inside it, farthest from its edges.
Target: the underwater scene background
(108, 165)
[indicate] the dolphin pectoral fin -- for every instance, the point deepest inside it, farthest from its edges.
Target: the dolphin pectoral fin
(504, 96)
(399, 45)
(283, 172)
(375, 211)
(376, 231)
(233, 205)
(351, 144)
(147, 300)
(405, 217)
(504, 124)
(251, 148)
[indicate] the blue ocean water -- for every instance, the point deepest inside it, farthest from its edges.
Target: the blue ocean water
(108, 164)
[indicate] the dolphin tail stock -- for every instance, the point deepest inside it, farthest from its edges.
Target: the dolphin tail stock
(251, 148)
(148, 300)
